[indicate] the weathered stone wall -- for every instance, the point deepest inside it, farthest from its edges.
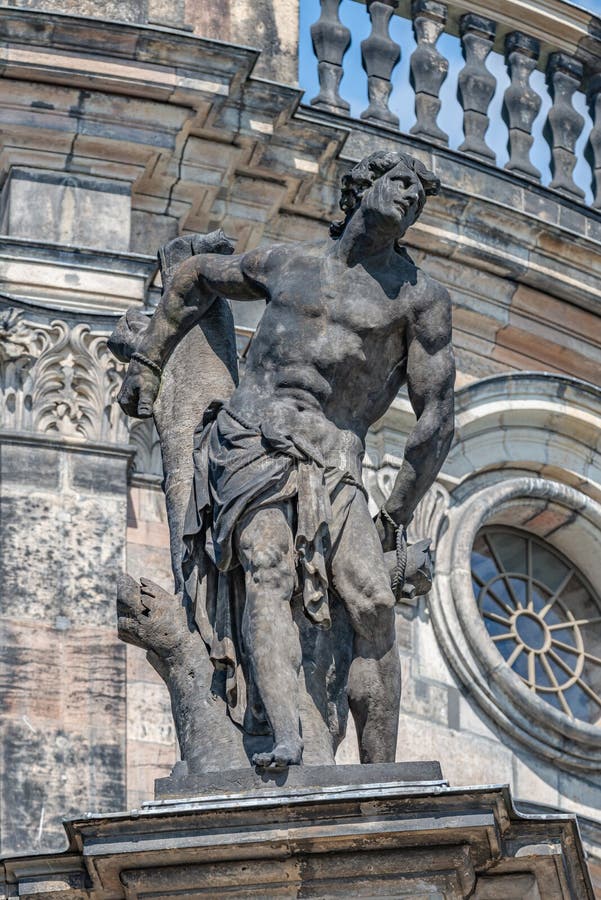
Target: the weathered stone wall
(62, 668)
(269, 25)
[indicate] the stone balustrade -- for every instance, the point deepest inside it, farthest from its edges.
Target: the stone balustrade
(551, 36)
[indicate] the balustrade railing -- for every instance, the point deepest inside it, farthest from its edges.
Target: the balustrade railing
(549, 36)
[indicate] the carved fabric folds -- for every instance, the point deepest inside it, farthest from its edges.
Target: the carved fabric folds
(238, 468)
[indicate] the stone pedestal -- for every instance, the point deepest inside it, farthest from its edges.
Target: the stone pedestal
(340, 832)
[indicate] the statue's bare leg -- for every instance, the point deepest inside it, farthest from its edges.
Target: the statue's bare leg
(362, 581)
(265, 550)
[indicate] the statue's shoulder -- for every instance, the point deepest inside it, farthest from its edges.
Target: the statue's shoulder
(430, 292)
(269, 256)
(430, 301)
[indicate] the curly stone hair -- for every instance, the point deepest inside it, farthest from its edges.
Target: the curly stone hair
(362, 176)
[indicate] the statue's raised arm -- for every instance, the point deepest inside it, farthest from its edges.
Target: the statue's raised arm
(193, 288)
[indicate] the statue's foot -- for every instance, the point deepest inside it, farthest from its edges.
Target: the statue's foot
(286, 753)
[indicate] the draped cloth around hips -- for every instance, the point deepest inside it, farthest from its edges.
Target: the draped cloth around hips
(238, 468)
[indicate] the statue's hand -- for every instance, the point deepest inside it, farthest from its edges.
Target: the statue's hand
(139, 390)
(386, 532)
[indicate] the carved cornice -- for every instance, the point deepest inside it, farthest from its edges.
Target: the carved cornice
(58, 380)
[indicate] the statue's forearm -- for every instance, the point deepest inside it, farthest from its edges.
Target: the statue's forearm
(425, 452)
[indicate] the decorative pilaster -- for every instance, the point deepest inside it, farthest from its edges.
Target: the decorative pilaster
(593, 149)
(64, 462)
(476, 84)
(331, 40)
(380, 55)
(521, 103)
(564, 123)
(428, 67)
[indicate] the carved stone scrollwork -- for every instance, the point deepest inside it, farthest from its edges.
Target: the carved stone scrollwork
(330, 41)
(378, 482)
(428, 67)
(58, 380)
(431, 512)
(380, 55)
(143, 436)
(564, 123)
(593, 149)
(430, 517)
(476, 84)
(521, 103)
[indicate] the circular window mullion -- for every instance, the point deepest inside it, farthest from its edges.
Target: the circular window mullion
(556, 595)
(528, 644)
(492, 671)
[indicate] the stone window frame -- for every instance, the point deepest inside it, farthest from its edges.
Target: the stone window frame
(571, 744)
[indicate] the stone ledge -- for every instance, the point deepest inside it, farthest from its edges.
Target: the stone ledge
(362, 841)
(70, 278)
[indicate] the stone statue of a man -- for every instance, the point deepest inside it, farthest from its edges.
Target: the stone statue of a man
(277, 492)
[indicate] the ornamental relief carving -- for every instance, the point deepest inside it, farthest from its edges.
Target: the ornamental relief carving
(430, 517)
(58, 380)
(143, 436)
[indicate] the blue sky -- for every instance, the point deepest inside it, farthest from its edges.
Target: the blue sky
(354, 85)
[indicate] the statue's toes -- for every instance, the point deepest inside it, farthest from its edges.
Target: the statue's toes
(284, 754)
(262, 760)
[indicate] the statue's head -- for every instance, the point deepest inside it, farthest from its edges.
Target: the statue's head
(390, 187)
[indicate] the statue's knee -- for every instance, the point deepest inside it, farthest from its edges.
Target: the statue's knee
(272, 569)
(374, 615)
(383, 603)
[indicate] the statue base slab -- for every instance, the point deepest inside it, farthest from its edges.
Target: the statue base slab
(365, 839)
(296, 779)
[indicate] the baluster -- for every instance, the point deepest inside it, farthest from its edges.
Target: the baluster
(380, 55)
(330, 41)
(476, 84)
(564, 123)
(521, 103)
(593, 149)
(428, 67)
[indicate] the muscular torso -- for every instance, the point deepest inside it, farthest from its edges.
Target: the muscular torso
(330, 351)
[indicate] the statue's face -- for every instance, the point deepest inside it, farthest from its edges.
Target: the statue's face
(394, 202)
